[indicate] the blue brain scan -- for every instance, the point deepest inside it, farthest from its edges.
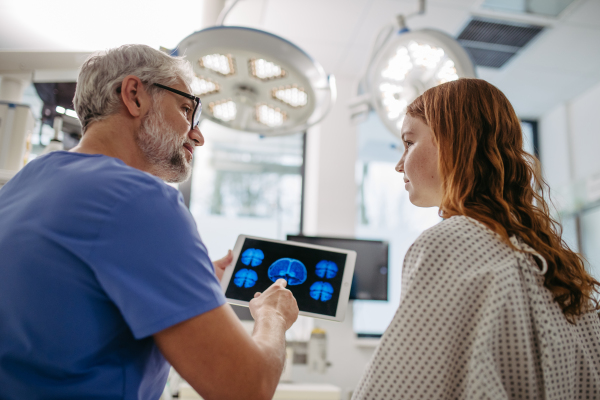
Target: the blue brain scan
(252, 257)
(245, 278)
(321, 291)
(292, 270)
(326, 269)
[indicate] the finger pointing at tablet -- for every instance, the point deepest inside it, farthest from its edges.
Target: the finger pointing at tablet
(276, 301)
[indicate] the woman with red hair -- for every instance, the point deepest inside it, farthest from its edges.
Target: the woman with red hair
(494, 304)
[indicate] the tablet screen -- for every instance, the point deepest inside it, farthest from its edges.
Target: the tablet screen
(314, 276)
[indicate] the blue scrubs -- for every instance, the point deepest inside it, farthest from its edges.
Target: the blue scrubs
(95, 258)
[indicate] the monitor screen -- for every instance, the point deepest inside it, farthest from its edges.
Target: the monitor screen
(370, 280)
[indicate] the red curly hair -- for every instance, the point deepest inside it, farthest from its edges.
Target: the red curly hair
(486, 175)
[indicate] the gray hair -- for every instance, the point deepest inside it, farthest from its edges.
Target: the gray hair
(102, 73)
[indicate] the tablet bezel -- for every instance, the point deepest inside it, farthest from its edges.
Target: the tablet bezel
(340, 313)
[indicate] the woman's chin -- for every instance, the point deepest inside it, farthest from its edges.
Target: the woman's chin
(421, 201)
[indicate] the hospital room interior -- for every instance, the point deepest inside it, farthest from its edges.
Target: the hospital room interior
(303, 103)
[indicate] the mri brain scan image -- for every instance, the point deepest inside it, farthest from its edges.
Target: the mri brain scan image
(321, 291)
(245, 278)
(252, 257)
(326, 269)
(290, 269)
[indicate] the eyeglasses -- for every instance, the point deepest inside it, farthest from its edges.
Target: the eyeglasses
(197, 109)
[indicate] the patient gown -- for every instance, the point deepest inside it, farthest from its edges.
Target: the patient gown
(476, 322)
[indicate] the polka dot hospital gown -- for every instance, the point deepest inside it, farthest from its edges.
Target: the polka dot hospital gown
(476, 322)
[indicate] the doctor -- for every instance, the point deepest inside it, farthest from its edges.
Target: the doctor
(104, 279)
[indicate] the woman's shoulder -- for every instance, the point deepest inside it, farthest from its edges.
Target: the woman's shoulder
(460, 237)
(456, 229)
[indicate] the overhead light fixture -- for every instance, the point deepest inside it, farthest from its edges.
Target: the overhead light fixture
(241, 98)
(404, 65)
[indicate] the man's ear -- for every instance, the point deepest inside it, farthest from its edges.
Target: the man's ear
(134, 96)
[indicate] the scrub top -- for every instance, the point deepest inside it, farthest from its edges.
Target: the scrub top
(95, 258)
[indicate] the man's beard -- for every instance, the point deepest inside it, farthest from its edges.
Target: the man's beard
(163, 148)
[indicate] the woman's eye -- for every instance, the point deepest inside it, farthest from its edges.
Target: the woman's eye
(408, 144)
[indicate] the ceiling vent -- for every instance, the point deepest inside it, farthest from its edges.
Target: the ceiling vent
(492, 43)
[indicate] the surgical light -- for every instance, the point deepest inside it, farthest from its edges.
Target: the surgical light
(291, 95)
(224, 110)
(265, 70)
(270, 116)
(405, 65)
(275, 71)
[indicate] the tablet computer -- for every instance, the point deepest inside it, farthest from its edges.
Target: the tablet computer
(319, 277)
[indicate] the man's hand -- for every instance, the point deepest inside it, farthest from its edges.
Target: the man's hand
(275, 301)
(206, 348)
(222, 263)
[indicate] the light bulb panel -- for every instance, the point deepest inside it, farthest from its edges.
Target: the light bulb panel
(224, 110)
(202, 86)
(291, 95)
(292, 86)
(222, 64)
(265, 70)
(270, 116)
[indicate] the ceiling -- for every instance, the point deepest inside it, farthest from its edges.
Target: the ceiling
(560, 63)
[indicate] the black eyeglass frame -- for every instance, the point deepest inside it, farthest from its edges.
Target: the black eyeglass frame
(197, 101)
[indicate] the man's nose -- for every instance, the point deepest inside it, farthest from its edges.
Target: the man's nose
(196, 136)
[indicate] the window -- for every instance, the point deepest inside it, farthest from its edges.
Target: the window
(245, 184)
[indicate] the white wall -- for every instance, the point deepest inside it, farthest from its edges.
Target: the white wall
(330, 186)
(554, 147)
(570, 139)
(585, 130)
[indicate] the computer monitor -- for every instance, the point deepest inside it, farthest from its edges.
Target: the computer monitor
(370, 280)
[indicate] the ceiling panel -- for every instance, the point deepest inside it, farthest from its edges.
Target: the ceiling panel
(586, 13)
(326, 21)
(565, 49)
(327, 54)
(445, 17)
(533, 92)
(248, 13)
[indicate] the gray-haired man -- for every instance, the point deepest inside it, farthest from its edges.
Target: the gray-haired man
(104, 275)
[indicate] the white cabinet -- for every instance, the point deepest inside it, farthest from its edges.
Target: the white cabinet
(16, 127)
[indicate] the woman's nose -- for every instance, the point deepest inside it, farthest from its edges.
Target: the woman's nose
(400, 166)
